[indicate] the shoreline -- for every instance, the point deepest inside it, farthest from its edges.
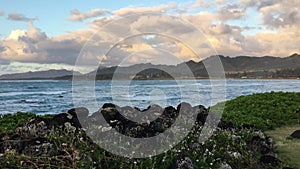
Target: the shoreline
(296, 78)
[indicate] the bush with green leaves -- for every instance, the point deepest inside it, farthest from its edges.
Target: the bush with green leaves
(9, 122)
(264, 110)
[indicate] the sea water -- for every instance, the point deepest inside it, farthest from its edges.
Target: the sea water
(52, 97)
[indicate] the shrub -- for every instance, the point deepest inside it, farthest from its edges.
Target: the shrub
(264, 110)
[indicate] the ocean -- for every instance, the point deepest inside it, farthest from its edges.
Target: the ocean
(52, 97)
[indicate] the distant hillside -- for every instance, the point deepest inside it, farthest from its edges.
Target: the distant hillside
(247, 63)
(234, 67)
(49, 74)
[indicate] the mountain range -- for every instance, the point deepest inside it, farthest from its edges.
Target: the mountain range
(47, 74)
(234, 67)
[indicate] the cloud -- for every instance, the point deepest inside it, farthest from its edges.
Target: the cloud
(33, 35)
(35, 46)
(76, 15)
(160, 9)
(19, 17)
(124, 31)
(207, 4)
(280, 13)
(4, 61)
(20, 67)
(280, 43)
(1, 13)
(220, 28)
(248, 3)
(274, 13)
(230, 12)
(15, 34)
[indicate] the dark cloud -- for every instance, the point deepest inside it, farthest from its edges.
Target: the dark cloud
(266, 3)
(4, 62)
(155, 9)
(36, 47)
(19, 17)
(280, 13)
(231, 12)
(221, 28)
(76, 15)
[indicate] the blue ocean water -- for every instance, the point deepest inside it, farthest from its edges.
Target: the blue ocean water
(52, 97)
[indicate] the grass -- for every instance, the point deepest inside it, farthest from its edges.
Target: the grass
(276, 113)
(287, 148)
(265, 111)
(9, 122)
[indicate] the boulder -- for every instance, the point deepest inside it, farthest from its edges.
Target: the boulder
(184, 163)
(80, 112)
(224, 165)
(201, 112)
(64, 119)
(36, 127)
(226, 125)
(270, 159)
(296, 134)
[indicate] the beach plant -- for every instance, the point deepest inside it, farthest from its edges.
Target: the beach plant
(264, 110)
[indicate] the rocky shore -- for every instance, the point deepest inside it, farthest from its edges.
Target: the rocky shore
(61, 141)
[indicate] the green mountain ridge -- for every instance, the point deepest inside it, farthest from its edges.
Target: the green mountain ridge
(234, 67)
(48, 74)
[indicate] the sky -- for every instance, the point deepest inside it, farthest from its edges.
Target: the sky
(41, 35)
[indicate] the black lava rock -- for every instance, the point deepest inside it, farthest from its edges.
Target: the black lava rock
(296, 134)
(269, 159)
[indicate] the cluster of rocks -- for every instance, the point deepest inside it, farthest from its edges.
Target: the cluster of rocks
(149, 122)
(33, 135)
(109, 116)
(128, 121)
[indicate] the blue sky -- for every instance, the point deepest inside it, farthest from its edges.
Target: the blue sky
(51, 15)
(42, 35)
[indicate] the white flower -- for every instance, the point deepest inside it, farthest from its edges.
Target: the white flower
(104, 129)
(21, 162)
(113, 121)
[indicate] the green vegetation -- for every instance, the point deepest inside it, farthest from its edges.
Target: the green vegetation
(67, 148)
(264, 110)
(289, 149)
(277, 113)
(9, 122)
